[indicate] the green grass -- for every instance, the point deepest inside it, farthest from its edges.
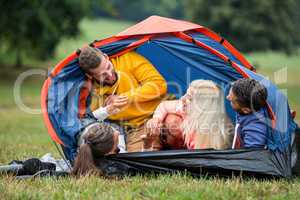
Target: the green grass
(161, 187)
(23, 135)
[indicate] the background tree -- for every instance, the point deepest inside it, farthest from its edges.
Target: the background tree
(250, 25)
(138, 10)
(34, 28)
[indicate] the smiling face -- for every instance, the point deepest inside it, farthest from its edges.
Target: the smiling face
(235, 104)
(233, 100)
(104, 73)
(97, 65)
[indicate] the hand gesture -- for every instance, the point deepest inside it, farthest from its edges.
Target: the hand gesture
(153, 126)
(114, 103)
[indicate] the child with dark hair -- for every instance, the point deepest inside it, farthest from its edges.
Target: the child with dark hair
(97, 140)
(248, 98)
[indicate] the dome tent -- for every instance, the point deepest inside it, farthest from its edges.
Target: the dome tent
(175, 48)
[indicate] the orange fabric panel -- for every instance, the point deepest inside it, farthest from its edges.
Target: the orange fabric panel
(227, 45)
(44, 95)
(84, 93)
(108, 40)
(132, 46)
(212, 50)
(272, 115)
(157, 24)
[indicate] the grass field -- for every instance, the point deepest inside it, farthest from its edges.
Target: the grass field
(23, 135)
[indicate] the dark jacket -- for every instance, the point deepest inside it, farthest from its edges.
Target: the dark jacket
(253, 129)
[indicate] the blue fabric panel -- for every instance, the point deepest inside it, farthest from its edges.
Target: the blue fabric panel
(193, 55)
(183, 62)
(116, 47)
(215, 45)
(280, 137)
(180, 63)
(63, 98)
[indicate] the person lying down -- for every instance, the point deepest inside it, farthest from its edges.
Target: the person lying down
(196, 121)
(98, 140)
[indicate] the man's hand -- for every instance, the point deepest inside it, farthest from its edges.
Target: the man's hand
(114, 103)
(153, 126)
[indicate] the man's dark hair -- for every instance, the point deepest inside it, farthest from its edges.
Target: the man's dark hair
(250, 93)
(89, 58)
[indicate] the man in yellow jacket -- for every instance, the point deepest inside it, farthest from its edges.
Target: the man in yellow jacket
(130, 83)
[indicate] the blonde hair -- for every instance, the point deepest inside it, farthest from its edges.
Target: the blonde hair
(205, 116)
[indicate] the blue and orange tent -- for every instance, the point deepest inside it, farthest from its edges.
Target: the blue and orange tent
(181, 51)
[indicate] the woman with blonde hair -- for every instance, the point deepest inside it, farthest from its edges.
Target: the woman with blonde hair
(198, 119)
(206, 124)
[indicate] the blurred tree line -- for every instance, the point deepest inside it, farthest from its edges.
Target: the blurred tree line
(250, 25)
(35, 27)
(134, 10)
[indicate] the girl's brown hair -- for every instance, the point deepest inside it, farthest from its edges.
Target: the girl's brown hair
(98, 141)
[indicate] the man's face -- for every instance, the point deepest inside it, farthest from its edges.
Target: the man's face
(104, 73)
(235, 105)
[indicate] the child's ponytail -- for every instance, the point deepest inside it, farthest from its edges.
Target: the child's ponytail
(84, 163)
